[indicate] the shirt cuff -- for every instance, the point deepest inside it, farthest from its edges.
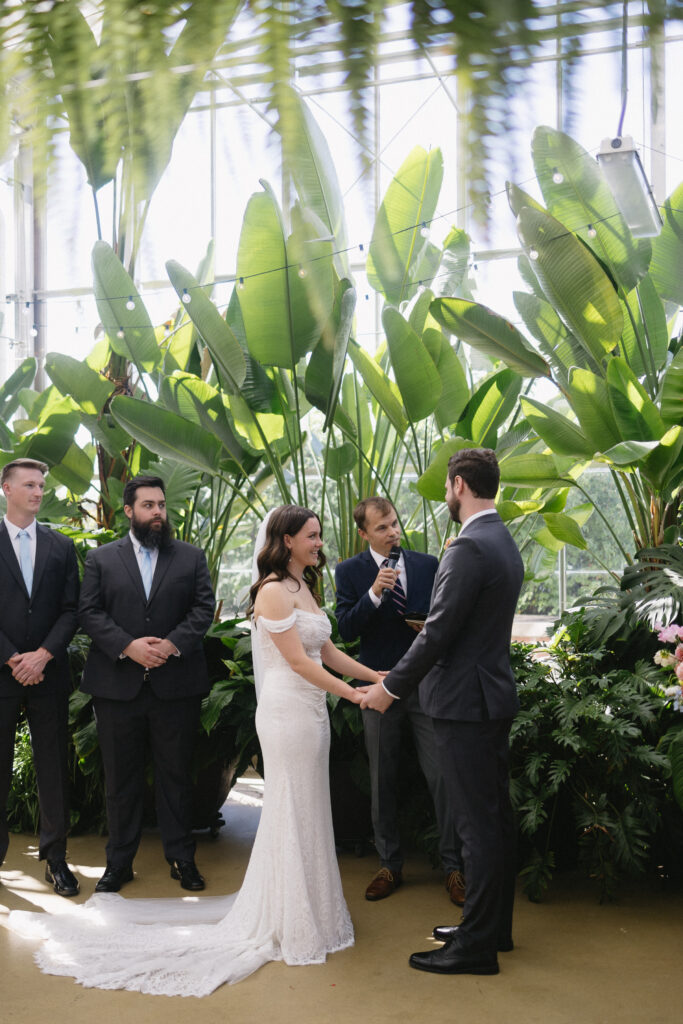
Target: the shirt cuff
(386, 690)
(374, 598)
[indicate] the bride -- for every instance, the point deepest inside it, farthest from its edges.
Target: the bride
(291, 906)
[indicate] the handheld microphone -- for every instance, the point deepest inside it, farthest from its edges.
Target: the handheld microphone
(392, 562)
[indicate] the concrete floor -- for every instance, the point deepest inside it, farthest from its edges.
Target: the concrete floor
(574, 960)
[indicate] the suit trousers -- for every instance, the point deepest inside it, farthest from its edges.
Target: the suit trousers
(474, 758)
(47, 715)
(126, 731)
(384, 744)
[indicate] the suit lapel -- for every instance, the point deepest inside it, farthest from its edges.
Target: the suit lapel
(164, 559)
(128, 558)
(7, 553)
(43, 542)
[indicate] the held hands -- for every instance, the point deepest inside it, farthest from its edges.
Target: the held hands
(149, 651)
(27, 668)
(375, 696)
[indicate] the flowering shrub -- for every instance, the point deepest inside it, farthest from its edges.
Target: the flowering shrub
(672, 659)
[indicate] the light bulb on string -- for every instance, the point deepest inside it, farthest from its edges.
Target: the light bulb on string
(533, 254)
(592, 233)
(27, 309)
(186, 297)
(34, 331)
(240, 284)
(424, 230)
(130, 304)
(119, 333)
(558, 176)
(301, 272)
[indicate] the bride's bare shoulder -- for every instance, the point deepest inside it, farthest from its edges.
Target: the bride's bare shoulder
(274, 600)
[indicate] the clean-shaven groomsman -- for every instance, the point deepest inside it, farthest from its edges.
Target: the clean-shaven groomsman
(372, 600)
(461, 661)
(146, 602)
(38, 603)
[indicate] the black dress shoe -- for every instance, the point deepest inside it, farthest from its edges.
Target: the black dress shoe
(446, 932)
(450, 960)
(113, 878)
(185, 871)
(63, 879)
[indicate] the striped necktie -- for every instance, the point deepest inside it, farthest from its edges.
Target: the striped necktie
(398, 594)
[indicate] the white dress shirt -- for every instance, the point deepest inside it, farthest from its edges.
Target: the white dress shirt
(138, 549)
(14, 532)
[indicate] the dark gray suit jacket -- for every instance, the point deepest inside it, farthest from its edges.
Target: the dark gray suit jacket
(113, 610)
(44, 618)
(461, 659)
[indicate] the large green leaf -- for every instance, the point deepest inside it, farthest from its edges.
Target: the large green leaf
(560, 348)
(645, 338)
(130, 331)
(590, 401)
(672, 390)
(455, 392)
(455, 263)
(659, 467)
(577, 195)
(637, 417)
(283, 313)
(308, 159)
(75, 470)
(326, 365)
(381, 388)
(397, 239)
(432, 484)
(565, 529)
(9, 391)
(489, 407)
(195, 400)
(666, 268)
(225, 350)
(559, 433)
(489, 333)
(416, 374)
(341, 461)
(573, 281)
(535, 470)
(57, 426)
(91, 391)
(167, 434)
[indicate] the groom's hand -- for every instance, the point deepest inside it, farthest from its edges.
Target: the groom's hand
(375, 697)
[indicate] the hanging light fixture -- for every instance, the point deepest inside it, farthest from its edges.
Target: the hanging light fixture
(620, 162)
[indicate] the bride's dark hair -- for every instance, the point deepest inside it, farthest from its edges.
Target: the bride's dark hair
(272, 561)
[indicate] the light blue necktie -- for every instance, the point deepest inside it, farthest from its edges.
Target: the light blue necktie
(25, 560)
(146, 570)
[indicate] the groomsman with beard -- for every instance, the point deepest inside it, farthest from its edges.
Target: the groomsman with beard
(146, 602)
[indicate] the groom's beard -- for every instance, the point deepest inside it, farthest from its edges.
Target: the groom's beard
(154, 534)
(454, 508)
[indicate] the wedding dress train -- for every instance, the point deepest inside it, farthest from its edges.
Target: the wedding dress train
(290, 907)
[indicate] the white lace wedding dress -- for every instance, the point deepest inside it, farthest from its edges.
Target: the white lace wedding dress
(290, 907)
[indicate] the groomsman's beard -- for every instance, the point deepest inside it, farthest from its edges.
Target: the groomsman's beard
(153, 534)
(453, 507)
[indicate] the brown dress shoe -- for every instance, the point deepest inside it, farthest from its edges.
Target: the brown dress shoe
(455, 884)
(383, 884)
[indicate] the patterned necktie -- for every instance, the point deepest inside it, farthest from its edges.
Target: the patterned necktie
(25, 560)
(398, 594)
(146, 570)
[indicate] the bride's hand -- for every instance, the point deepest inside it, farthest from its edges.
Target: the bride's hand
(357, 695)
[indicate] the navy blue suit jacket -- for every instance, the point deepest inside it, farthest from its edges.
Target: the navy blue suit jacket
(384, 636)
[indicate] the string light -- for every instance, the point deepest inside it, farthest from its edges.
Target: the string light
(34, 331)
(424, 230)
(558, 176)
(592, 233)
(27, 309)
(119, 333)
(186, 297)
(130, 304)
(301, 272)
(533, 254)
(240, 284)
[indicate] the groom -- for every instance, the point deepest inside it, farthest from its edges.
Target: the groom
(462, 657)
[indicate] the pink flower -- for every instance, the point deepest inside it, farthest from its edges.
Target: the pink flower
(679, 652)
(679, 670)
(670, 633)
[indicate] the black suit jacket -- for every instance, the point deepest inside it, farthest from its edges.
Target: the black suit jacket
(113, 611)
(384, 636)
(461, 659)
(45, 618)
